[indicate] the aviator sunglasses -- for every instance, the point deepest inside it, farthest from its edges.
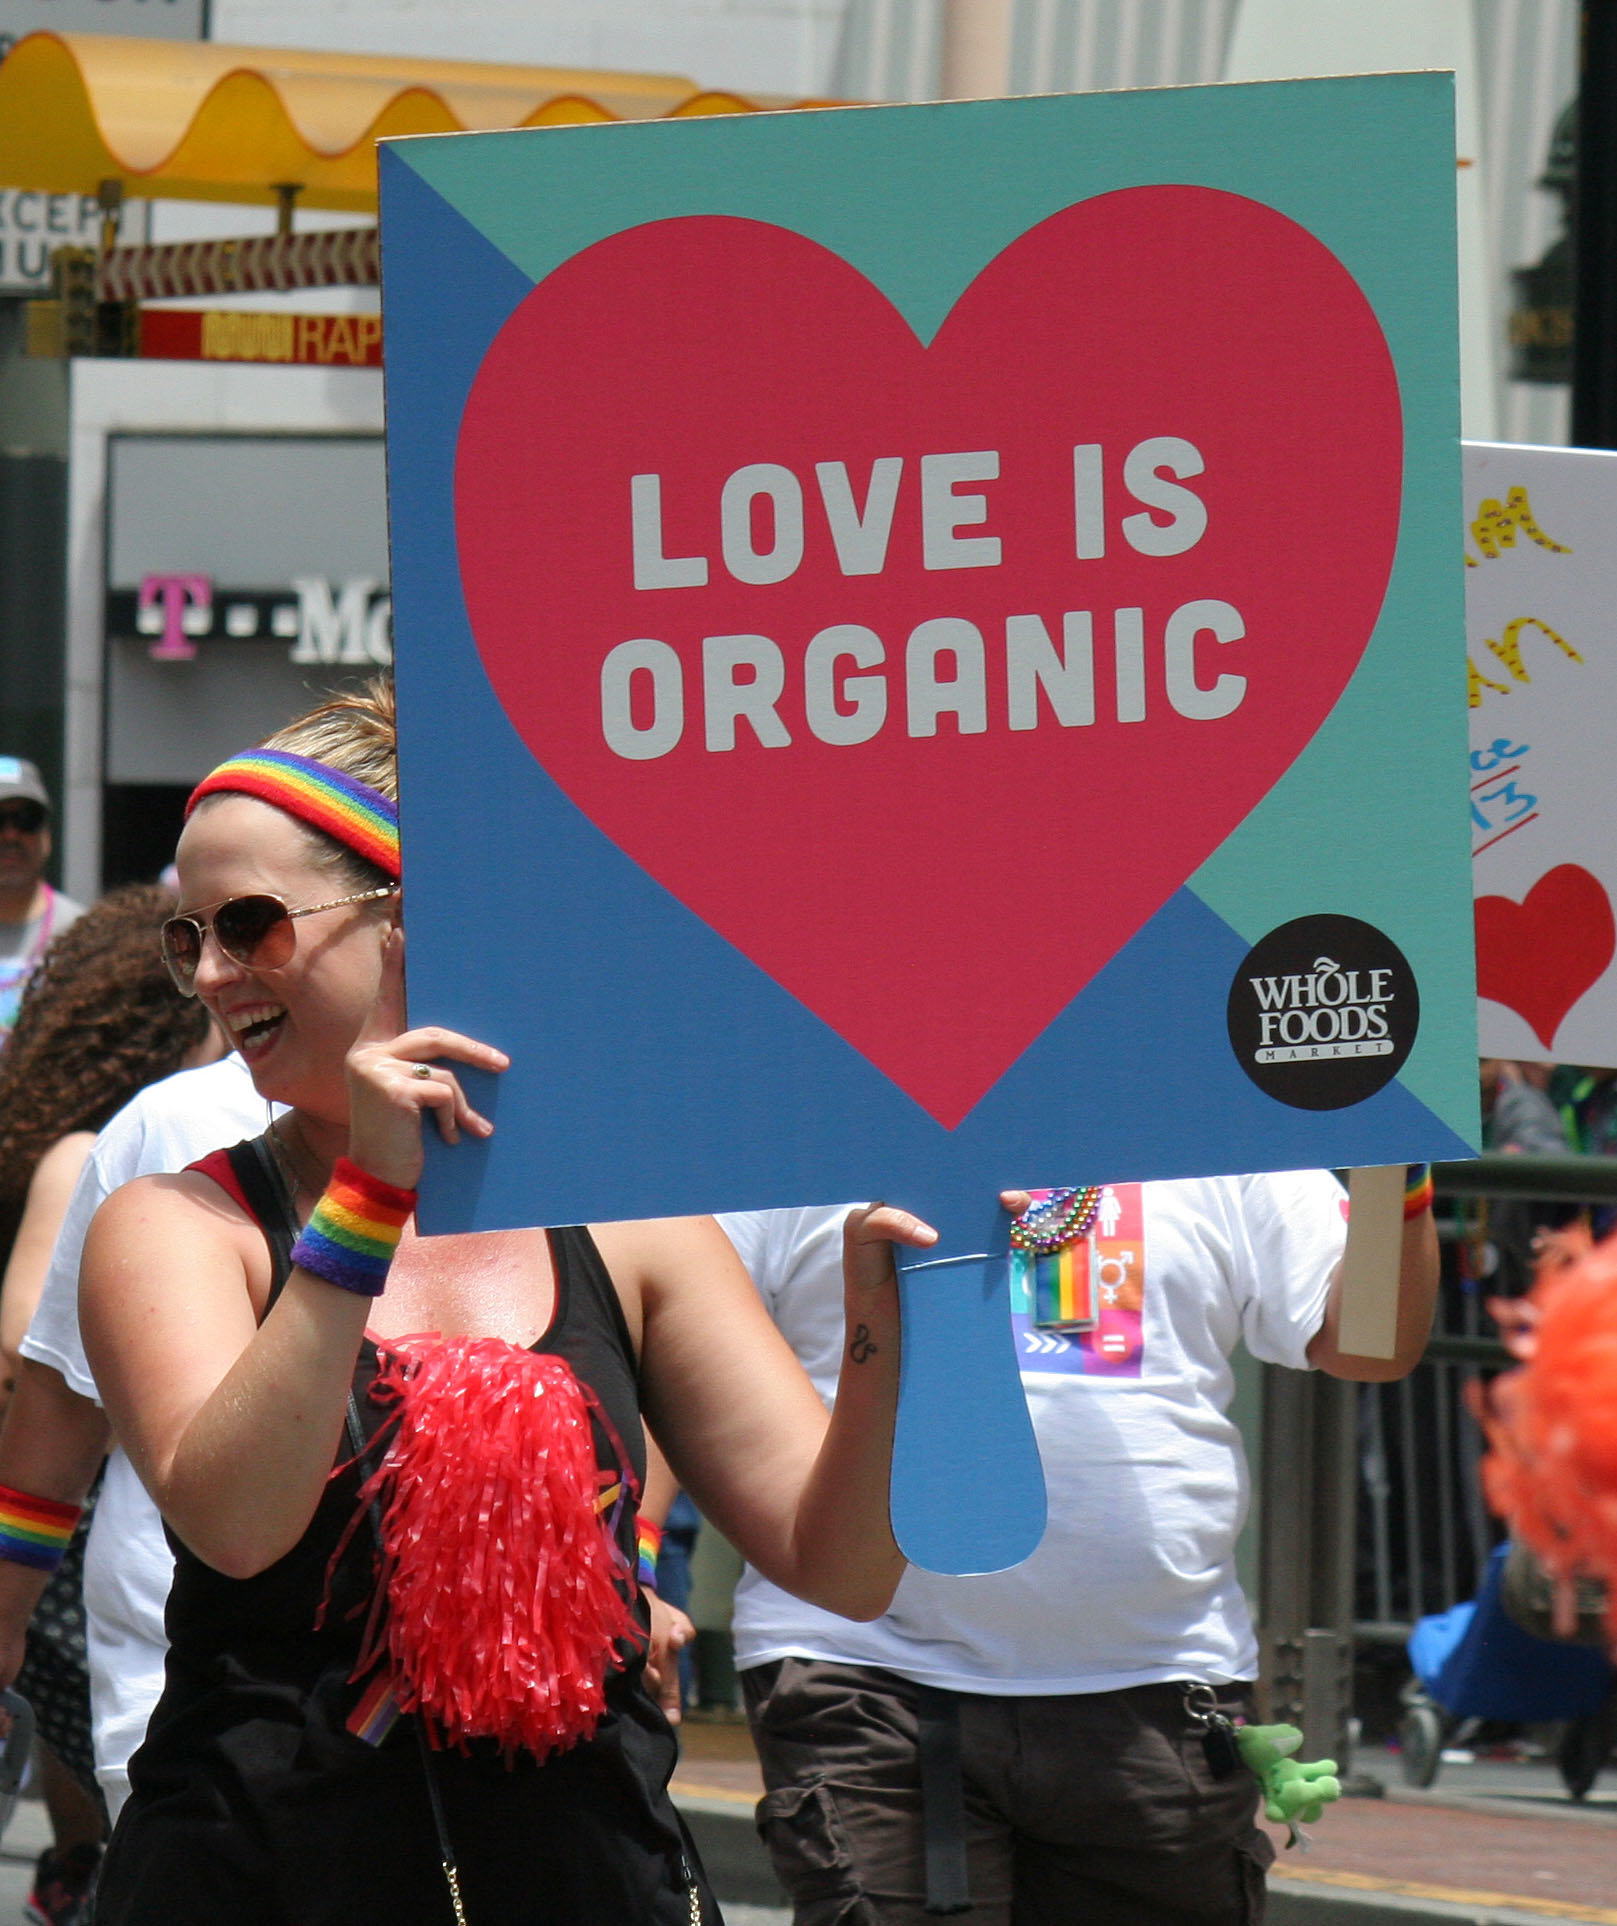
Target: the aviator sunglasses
(252, 930)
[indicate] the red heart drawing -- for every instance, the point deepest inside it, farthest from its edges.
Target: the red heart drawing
(937, 898)
(1538, 956)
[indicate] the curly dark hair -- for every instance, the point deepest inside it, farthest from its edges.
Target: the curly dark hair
(99, 1020)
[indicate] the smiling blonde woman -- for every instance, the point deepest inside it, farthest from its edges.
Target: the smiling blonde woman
(406, 1635)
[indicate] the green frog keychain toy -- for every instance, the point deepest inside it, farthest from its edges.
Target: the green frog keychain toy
(1294, 1793)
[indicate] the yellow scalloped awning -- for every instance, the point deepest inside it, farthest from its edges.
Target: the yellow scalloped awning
(192, 120)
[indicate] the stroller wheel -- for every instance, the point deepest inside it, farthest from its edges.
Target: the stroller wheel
(1585, 1747)
(1421, 1736)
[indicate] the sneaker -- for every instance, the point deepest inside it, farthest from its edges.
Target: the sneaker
(62, 1883)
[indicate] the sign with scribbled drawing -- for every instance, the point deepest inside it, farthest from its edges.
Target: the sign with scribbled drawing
(1541, 585)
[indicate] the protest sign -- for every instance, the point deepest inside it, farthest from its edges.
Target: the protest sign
(1542, 679)
(926, 642)
(904, 601)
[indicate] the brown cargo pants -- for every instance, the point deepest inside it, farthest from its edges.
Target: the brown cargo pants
(1090, 1810)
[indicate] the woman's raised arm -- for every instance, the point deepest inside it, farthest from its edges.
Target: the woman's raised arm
(804, 1496)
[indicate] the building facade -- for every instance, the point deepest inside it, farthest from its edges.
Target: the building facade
(122, 570)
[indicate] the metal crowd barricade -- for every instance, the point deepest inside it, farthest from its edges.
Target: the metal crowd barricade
(1369, 1497)
(1426, 1528)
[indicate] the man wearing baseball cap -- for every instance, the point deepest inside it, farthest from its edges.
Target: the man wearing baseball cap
(31, 912)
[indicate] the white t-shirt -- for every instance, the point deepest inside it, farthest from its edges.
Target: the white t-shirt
(127, 1564)
(1135, 1579)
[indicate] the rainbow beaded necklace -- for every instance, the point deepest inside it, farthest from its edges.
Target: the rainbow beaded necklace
(1061, 1219)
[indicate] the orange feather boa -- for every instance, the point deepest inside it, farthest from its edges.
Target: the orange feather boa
(1551, 1468)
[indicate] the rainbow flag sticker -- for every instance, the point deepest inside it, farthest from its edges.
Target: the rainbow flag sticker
(1065, 1293)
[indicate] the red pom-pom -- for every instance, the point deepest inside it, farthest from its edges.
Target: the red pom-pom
(1551, 1470)
(503, 1593)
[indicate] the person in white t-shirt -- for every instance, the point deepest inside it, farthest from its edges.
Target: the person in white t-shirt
(56, 1434)
(1056, 1713)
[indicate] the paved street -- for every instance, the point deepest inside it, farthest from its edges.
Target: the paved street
(27, 1834)
(1491, 1840)
(25, 1838)
(1488, 1834)
(1485, 1830)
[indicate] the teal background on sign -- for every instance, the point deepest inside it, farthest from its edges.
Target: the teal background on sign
(920, 198)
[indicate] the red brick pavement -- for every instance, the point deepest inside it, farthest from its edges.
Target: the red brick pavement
(1559, 1865)
(1529, 1856)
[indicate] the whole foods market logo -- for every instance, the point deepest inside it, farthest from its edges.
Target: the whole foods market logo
(1323, 1012)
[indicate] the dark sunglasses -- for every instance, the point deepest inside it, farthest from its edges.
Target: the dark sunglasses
(27, 817)
(254, 930)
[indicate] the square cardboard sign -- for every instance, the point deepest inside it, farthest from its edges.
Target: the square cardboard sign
(927, 644)
(1541, 579)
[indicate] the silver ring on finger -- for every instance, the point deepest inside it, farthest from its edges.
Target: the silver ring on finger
(422, 1070)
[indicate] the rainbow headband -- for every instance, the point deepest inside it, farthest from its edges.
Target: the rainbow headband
(344, 808)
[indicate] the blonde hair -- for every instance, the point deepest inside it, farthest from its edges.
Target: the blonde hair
(355, 731)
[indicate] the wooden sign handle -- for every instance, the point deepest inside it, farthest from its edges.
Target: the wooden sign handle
(1371, 1262)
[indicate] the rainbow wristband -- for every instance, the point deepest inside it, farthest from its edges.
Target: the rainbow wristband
(648, 1540)
(1418, 1190)
(35, 1531)
(354, 1230)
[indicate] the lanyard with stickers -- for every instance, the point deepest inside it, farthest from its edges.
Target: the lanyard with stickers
(1055, 1258)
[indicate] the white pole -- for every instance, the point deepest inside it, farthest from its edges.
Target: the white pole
(976, 49)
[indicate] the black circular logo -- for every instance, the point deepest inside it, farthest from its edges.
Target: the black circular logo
(1323, 1012)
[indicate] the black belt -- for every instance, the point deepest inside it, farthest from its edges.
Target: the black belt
(943, 1801)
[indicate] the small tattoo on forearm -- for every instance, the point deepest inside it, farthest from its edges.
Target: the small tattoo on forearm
(862, 1346)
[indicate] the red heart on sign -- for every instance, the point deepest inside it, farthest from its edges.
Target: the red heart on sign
(936, 883)
(1538, 956)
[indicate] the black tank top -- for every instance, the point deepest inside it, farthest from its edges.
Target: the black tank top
(252, 1801)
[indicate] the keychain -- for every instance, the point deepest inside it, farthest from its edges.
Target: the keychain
(1294, 1793)
(1220, 1740)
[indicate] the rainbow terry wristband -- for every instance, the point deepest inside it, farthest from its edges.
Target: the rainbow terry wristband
(35, 1531)
(648, 1540)
(354, 1231)
(1418, 1190)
